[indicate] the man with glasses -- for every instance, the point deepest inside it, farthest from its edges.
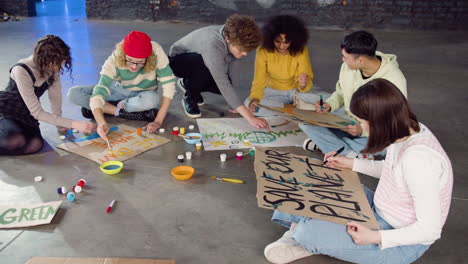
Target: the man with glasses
(128, 86)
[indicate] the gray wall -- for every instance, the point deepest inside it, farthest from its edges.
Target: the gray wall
(393, 14)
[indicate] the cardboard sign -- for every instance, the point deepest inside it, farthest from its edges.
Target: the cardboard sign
(299, 185)
(47, 260)
(123, 139)
(230, 133)
(28, 215)
(309, 117)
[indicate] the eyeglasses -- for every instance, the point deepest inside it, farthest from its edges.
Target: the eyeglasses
(138, 64)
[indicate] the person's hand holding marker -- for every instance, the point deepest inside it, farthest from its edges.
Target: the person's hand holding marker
(332, 160)
(323, 107)
(353, 129)
(253, 105)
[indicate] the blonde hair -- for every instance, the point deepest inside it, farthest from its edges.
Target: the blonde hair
(150, 64)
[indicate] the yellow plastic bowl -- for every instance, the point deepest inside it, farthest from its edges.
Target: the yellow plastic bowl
(182, 173)
(111, 167)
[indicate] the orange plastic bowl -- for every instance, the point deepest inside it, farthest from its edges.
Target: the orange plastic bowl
(182, 173)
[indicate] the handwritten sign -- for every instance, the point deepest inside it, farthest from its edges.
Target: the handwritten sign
(230, 133)
(309, 117)
(124, 140)
(28, 215)
(299, 185)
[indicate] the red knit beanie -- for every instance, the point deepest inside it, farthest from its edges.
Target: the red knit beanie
(137, 44)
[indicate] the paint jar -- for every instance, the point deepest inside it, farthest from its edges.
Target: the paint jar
(139, 131)
(62, 190)
(222, 157)
(188, 155)
(182, 130)
(77, 189)
(162, 130)
(70, 132)
(175, 131)
(198, 145)
(252, 152)
(239, 155)
(70, 196)
(191, 127)
(81, 182)
(180, 158)
(246, 142)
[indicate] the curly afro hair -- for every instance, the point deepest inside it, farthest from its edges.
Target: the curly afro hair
(294, 29)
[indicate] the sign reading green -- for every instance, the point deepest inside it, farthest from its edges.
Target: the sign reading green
(28, 215)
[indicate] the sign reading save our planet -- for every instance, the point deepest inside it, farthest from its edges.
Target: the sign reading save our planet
(12, 216)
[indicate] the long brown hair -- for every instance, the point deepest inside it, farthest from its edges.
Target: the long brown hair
(52, 51)
(386, 109)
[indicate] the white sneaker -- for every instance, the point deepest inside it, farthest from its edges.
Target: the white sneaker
(354, 155)
(285, 250)
(310, 145)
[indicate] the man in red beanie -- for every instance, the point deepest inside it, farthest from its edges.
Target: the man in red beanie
(128, 86)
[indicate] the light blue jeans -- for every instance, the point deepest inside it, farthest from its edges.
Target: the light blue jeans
(327, 238)
(332, 139)
(277, 98)
(134, 101)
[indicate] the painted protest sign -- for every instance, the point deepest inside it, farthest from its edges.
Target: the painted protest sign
(230, 133)
(124, 140)
(301, 186)
(27, 215)
(309, 117)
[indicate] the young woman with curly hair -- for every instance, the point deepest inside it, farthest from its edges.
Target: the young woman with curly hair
(20, 108)
(282, 65)
(207, 60)
(412, 199)
(128, 86)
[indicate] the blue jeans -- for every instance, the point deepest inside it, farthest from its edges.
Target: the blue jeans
(332, 139)
(277, 98)
(327, 238)
(134, 101)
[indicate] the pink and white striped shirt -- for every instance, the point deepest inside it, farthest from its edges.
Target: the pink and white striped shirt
(414, 191)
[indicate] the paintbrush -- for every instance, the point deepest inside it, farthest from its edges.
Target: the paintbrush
(109, 146)
(226, 179)
(189, 137)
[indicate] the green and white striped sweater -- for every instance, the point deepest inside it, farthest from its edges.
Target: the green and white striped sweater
(134, 81)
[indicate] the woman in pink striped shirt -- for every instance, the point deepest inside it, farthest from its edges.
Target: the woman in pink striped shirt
(410, 214)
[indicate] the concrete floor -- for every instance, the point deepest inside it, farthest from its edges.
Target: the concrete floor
(202, 221)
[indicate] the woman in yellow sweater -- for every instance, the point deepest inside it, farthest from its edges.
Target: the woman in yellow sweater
(282, 65)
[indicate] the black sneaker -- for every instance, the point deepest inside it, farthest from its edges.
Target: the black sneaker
(190, 107)
(148, 115)
(87, 113)
(180, 84)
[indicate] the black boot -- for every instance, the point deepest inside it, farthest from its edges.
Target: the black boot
(87, 113)
(148, 115)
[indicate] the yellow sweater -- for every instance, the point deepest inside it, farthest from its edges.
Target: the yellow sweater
(280, 72)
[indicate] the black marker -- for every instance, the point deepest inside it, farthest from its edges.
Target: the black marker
(321, 103)
(334, 155)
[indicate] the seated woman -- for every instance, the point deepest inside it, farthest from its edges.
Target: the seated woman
(410, 214)
(282, 66)
(20, 108)
(128, 86)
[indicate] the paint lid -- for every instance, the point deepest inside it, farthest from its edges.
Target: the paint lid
(38, 178)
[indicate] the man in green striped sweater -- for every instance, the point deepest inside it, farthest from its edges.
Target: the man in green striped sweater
(128, 86)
